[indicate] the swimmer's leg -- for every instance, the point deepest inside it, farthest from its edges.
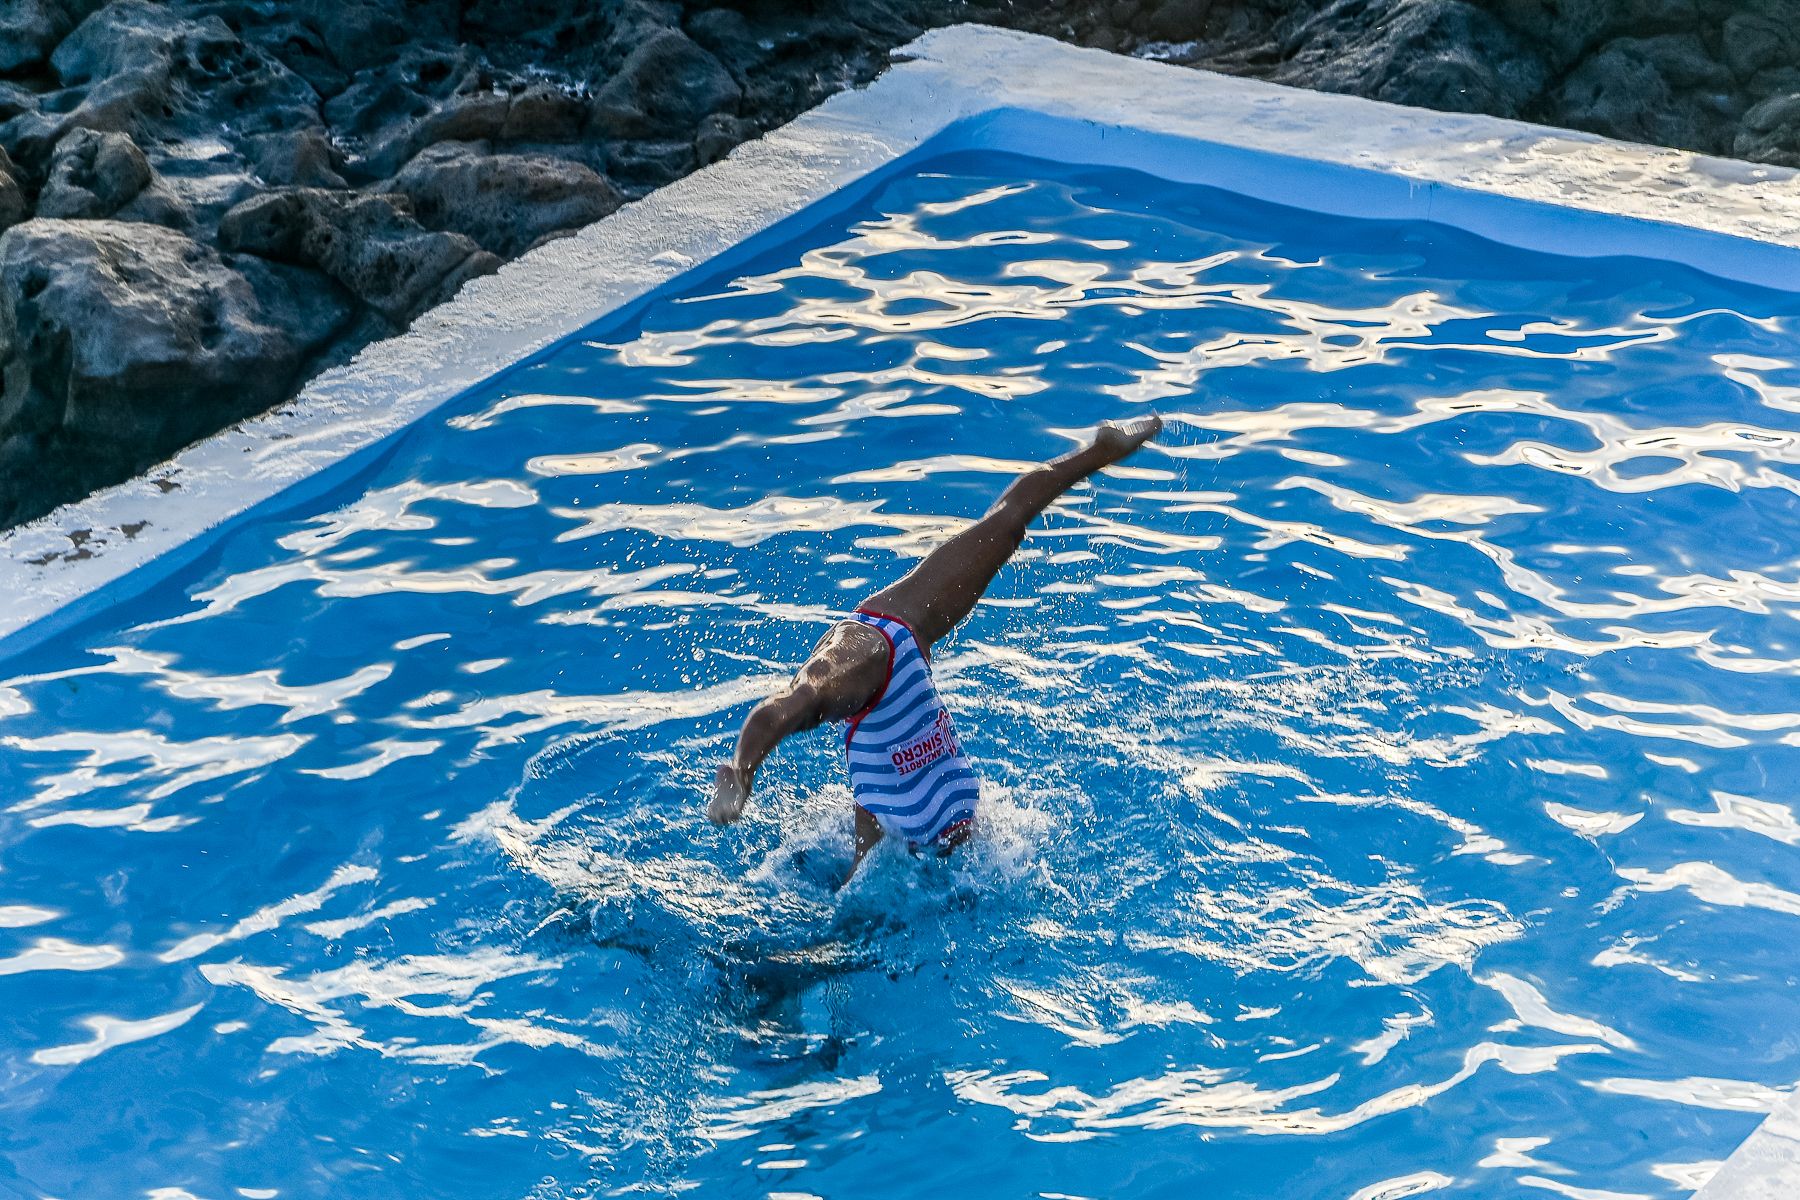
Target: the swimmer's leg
(938, 593)
(868, 833)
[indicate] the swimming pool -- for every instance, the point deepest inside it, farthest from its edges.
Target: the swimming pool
(1386, 773)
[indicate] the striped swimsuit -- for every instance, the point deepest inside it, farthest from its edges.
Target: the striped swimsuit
(906, 767)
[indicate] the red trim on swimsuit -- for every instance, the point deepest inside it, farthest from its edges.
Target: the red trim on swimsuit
(924, 650)
(866, 611)
(949, 831)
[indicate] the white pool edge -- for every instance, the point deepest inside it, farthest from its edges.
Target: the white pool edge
(1767, 1165)
(1439, 166)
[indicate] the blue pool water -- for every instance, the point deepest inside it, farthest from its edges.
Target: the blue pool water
(1389, 775)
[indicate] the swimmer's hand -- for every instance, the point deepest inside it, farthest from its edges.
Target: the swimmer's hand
(730, 789)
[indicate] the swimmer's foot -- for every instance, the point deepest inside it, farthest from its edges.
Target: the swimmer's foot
(1120, 438)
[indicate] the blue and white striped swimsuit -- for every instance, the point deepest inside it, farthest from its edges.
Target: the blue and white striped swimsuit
(906, 766)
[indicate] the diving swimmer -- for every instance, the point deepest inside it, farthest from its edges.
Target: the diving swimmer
(907, 771)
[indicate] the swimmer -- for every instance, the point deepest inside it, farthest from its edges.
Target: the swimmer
(907, 771)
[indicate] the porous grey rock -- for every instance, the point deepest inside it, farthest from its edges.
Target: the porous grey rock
(1442, 54)
(632, 24)
(1175, 20)
(1628, 89)
(93, 175)
(198, 63)
(294, 158)
(31, 29)
(131, 337)
(430, 95)
(1771, 132)
(777, 42)
(725, 33)
(164, 76)
(12, 196)
(543, 113)
(15, 99)
(127, 103)
(311, 307)
(1683, 59)
(785, 58)
(1756, 41)
(96, 175)
(298, 47)
(404, 87)
(1773, 81)
(640, 166)
(719, 134)
(534, 21)
(358, 34)
(369, 244)
(666, 86)
(505, 203)
(476, 114)
(130, 35)
(1562, 31)
(471, 114)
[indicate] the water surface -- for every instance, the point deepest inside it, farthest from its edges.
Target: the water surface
(1388, 775)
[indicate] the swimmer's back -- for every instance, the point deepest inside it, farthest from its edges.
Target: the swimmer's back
(907, 769)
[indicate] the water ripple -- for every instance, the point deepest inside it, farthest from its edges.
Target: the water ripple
(1374, 756)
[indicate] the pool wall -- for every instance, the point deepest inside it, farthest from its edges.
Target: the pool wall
(961, 88)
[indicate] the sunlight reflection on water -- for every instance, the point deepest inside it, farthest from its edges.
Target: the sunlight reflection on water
(1384, 773)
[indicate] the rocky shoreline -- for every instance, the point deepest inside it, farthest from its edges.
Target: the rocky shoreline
(206, 202)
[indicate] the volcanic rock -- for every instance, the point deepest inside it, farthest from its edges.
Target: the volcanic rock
(666, 86)
(31, 29)
(1756, 41)
(294, 158)
(726, 33)
(640, 166)
(1628, 90)
(12, 196)
(369, 244)
(93, 175)
(1442, 54)
(1178, 20)
(358, 34)
(1771, 132)
(505, 203)
(135, 338)
(135, 35)
(719, 134)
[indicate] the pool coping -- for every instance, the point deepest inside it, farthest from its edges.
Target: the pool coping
(1350, 155)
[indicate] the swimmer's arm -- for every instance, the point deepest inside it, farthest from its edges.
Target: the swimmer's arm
(817, 695)
(792, 711)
